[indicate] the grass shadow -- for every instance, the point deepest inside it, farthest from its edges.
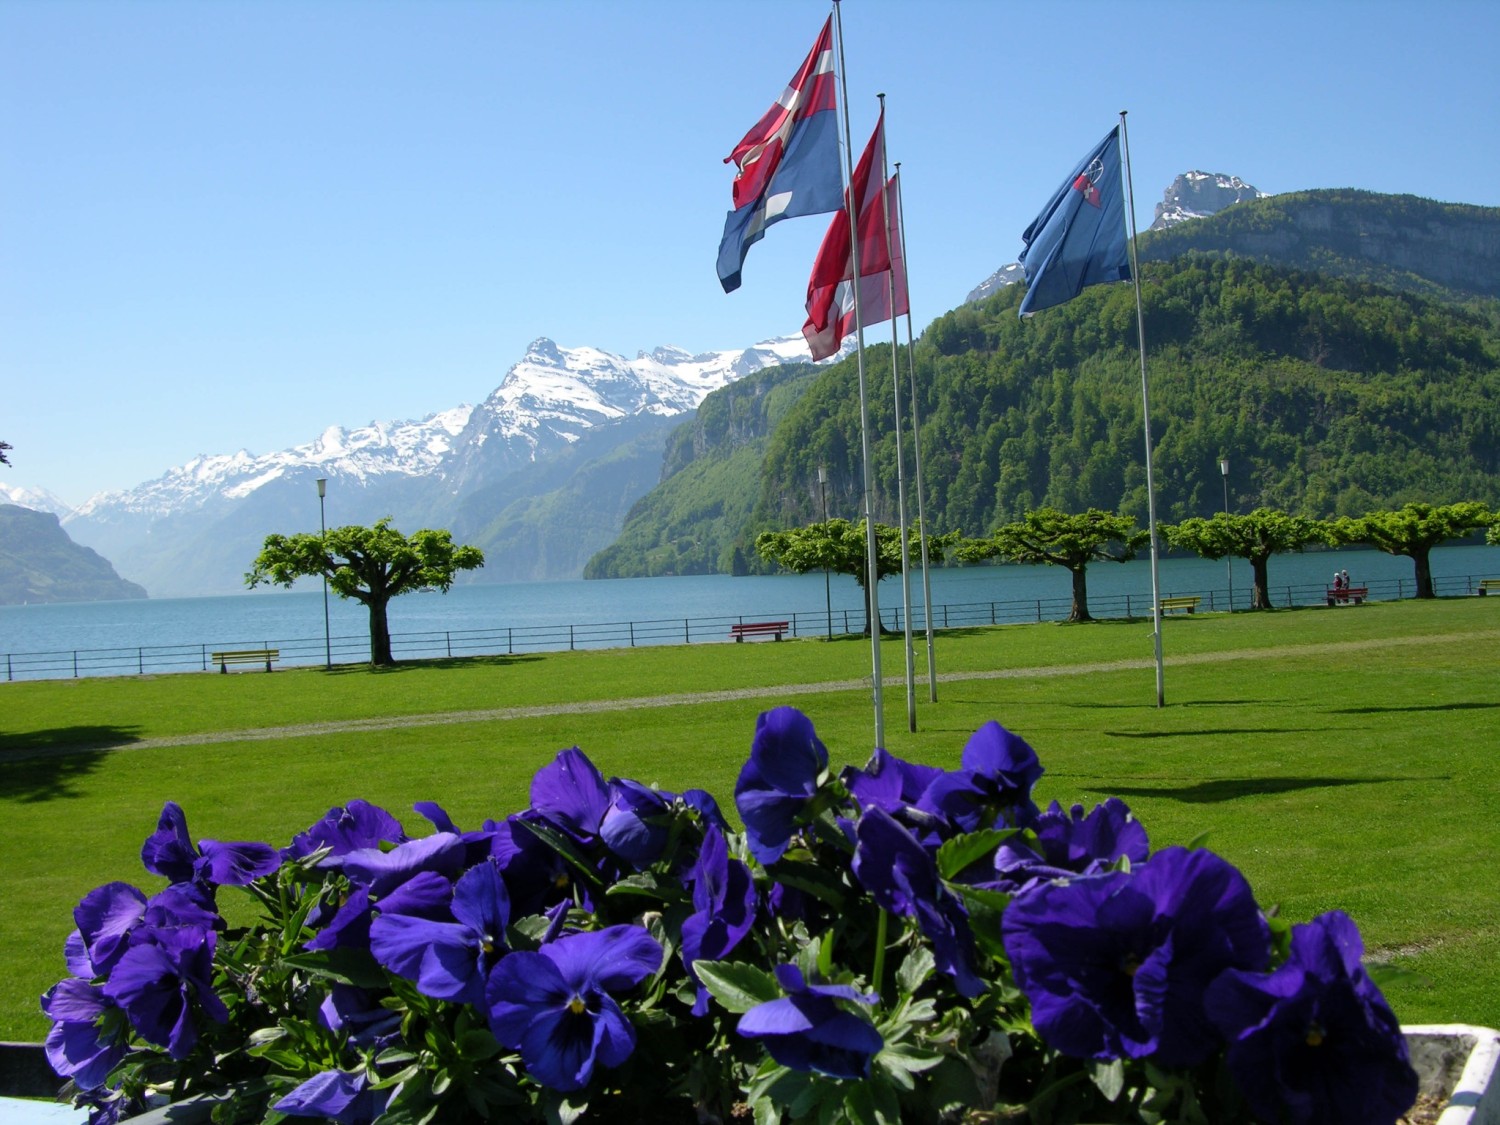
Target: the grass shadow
(1212, 732)
(43, 765)
(1377, 710)
(1233, 788)
(500, 660)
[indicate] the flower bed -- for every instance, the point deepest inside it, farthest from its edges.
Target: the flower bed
(898, 942)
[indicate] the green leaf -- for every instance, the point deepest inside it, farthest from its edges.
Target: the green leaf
(1108, 1076)
(962, 852)
(346, 966)
(736, 986)
(915, 968)
(814, 880)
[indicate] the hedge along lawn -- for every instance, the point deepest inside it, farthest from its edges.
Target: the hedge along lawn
(1335, 776)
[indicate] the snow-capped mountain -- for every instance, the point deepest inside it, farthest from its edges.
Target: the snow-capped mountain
(1195, 195)
(412, 448)
(1192, 195)
(195, 529)
(554, 395)
(37, 499)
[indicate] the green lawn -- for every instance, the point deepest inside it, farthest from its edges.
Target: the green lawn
(1342, 758)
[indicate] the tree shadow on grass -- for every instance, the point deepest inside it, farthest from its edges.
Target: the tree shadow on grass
(1223, 789)
(500, 661)
(43, 765)
(1207, 733)
(1377, 710)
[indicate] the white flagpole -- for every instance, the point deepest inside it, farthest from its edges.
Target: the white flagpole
(916, 442)
(871, 555)
(1140, 327)
(911, 688)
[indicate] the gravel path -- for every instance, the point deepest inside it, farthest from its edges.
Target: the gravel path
(686, 699)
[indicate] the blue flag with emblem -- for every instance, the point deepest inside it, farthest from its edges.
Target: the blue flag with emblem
(1079, 238)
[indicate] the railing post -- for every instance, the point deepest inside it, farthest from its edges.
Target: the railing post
(1039, 611)
(75, 663)
(632, 634)
(687, 633)
(570, 638)
(140, 662)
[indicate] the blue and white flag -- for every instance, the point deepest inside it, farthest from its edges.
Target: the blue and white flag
(1079, 238)
(788, 163)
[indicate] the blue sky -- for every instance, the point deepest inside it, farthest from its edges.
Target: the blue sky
(228, 225)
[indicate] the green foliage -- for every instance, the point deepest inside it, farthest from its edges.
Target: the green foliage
(1331, 396)
(1070, 540)
(371, 565)
(1255, 537)
(1414, 530)
(843, 548)
(694, 522)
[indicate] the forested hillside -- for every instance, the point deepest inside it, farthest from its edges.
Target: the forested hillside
(693, 521)
(40, 563)
(1328, 396)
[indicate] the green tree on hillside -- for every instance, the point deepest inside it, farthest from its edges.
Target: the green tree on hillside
(1413, 530)
(839, 546)
(372, 565)
(1256, 537)
(1070, 540)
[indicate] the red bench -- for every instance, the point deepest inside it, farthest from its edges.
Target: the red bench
(1355, 594)
(756, 628)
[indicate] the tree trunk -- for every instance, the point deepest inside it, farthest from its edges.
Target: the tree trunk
(1080, 594)
(380, 633)
(1424, 574)
(1260, 584)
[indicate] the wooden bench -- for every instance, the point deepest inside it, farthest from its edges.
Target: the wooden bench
(1355, 594)
(245, 656)
(1187, 602)
(1488, 584)
(756, 628)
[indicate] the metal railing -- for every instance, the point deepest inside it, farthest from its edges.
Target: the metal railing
(513, 640)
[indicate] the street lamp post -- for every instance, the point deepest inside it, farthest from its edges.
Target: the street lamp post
(1228, 559)
(827, 591)
(323, 530)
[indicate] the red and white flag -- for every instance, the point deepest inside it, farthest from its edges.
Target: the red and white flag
(882, 265)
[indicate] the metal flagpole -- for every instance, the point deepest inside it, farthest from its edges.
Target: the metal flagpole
(871, 557)
(916, 443)
(911, 688)
(1140, 327)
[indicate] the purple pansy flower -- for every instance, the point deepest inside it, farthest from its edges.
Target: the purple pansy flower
(779, 781)
(807, 1029)
(554, 1006)
(1116, 964)
(889, 782)
(347, 828)
(1314, 1042)
(160, 982)
(902, 876)
(77, 1046)
(569, 793)
(993, 787)
(1071, 844)
(448, 960)
(105, 917)
(359, 1014)
(382, 872)
(637, 822)
(723, 907)
(169, 852)
(335, 1095)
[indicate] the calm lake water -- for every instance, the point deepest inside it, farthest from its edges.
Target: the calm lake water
(167, 634)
